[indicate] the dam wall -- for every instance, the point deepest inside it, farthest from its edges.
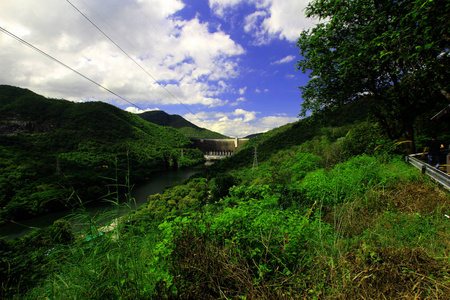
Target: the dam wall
(218, 147)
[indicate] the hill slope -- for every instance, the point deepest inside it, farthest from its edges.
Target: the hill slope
(313, 221)
(56, 153)
(162, 118)
(297, 133)
(318, 219)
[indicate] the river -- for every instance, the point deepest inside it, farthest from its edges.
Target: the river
(155, 184)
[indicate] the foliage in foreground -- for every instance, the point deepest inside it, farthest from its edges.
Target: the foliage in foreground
(312, 221)
(369, 227)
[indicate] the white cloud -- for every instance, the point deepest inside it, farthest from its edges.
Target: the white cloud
(242, 90)
(286, 19)
(135, 110)
(219, 7)
(248, 115)
(253, 20)
(272, 19)
(271, 122)
(284, 60)
(237, 102)
(189, 60)
(238, 123)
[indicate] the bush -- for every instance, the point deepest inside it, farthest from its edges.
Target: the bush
(61, 232)
(181, 198)
(362, 139)
(343, 181)
(221, 185)
(242, 251)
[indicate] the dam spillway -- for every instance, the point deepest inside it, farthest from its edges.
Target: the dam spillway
(214, 149)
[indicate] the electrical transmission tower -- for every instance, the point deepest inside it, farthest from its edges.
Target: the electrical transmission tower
(255, 159)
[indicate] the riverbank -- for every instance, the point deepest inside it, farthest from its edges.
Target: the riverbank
(79, 218)
(320, 236)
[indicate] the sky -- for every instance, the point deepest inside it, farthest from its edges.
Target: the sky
(224, 65)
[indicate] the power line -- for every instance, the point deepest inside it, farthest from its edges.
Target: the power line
(148, 19)
(64, 65)
(110, 26)
(129, 56)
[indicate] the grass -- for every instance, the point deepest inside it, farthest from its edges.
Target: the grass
(387, 241)
(303, 226)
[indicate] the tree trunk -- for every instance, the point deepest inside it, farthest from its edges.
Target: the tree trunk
(409, 136)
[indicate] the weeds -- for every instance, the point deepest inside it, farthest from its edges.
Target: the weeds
(369, 228)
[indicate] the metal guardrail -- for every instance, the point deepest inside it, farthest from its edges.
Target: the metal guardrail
(434, 173)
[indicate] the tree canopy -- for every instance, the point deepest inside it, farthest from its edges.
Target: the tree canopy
(395, 53)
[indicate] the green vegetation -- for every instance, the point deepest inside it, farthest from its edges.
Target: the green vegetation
(390, 53)
(55, 154)
(331, 211)
(313, 221)
(187, 128)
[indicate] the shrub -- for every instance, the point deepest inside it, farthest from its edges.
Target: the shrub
(343, 181)
(221, 185)
(302, 164)
(179, 198)
(362, 139)
(243, 250)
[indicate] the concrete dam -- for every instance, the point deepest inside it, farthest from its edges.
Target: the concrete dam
(215, 149)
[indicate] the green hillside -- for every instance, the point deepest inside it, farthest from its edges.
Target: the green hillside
(55, 154)
(184, 126)
(331, 213)
(332, 124)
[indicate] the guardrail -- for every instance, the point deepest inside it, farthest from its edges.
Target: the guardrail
(434, 173)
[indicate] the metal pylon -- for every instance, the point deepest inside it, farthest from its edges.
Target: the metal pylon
(255, 159)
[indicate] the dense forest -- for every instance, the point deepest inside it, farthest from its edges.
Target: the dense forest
(330, 211)
(55, 154)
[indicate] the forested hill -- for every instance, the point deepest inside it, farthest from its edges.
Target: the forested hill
(162, 118)
(333, 124)
(328, 210)
(56, 153)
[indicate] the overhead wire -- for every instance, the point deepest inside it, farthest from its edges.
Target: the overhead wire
(109, 25)
(65, 65)
(130, 57)
(145, 16)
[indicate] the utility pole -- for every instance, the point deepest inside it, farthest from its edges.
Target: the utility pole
(255, 159)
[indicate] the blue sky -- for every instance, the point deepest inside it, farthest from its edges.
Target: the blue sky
(225, 65)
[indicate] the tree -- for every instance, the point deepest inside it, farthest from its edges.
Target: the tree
(394, 53)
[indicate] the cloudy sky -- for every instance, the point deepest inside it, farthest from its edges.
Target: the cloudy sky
(225, 65)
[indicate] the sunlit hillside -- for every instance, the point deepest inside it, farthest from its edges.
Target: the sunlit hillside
(331, 213)
(55, 153)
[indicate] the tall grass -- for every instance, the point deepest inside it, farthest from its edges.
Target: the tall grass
(368, 228)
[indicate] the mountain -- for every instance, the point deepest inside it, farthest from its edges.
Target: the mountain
(252, 135)
(312, 209)
(162, 118)
(294, 134)
(55, 154)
